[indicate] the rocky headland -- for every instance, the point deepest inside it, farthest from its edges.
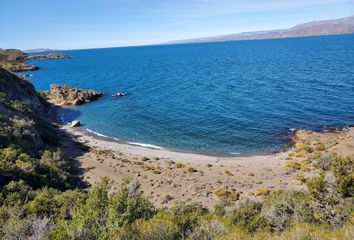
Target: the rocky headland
(68, 95)
(47, 56)
(14, 60)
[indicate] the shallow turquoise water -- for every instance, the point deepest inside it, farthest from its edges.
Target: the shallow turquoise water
(224, 97)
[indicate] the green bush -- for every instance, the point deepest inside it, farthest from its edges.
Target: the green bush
(283, 207)
(160, 227)
(248, 216)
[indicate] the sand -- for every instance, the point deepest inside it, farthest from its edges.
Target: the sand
(169, 177)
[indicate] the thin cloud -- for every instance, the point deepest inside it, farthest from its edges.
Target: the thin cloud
(214, 8)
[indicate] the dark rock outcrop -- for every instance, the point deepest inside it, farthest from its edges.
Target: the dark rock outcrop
(68, 95)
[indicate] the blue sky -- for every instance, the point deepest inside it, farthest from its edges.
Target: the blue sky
(75, 24)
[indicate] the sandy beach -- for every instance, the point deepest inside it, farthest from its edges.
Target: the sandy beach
(169, 177)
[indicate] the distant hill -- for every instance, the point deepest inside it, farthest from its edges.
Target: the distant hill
(316, 28)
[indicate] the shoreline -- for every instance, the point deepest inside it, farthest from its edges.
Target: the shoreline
(60, 110)
(99, 136)
(286, 147)
(80, 131)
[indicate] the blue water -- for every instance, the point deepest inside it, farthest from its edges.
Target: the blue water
(237, 97)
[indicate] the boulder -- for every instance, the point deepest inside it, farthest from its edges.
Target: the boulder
(75, 123)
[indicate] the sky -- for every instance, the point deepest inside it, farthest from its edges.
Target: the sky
(79, 24)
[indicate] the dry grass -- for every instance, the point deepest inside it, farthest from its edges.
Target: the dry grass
(228, 173)
(262, 192)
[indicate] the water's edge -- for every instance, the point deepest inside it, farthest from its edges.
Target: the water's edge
(60, 110)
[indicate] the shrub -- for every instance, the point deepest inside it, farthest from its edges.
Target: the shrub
(327, 204)
(320, 147)
(308, 149)
(192, 170)
(186, 217)
(208, 229)
(161, 226)
(16, 193)
(324, 161)
(343, 168)
(52, 203)
(294, 165)
(90, 219)
(128, 205)
(248, 217)
(17, 227)
(179, 165)
(229, 195)
(283, 206)
(144, 158)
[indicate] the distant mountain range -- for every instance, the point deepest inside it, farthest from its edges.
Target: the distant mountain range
(316, 28)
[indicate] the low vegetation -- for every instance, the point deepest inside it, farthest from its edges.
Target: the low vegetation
(53, 212)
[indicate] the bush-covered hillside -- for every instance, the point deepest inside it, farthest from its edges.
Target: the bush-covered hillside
(39, 198)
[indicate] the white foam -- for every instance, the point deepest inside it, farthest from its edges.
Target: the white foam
(144, 145)
(235, 153)
(96, 133)
(132, 143)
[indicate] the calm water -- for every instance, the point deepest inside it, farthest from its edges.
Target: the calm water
(234, 97)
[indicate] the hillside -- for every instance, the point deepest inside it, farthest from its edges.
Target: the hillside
(20, 108)
(316, 28)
